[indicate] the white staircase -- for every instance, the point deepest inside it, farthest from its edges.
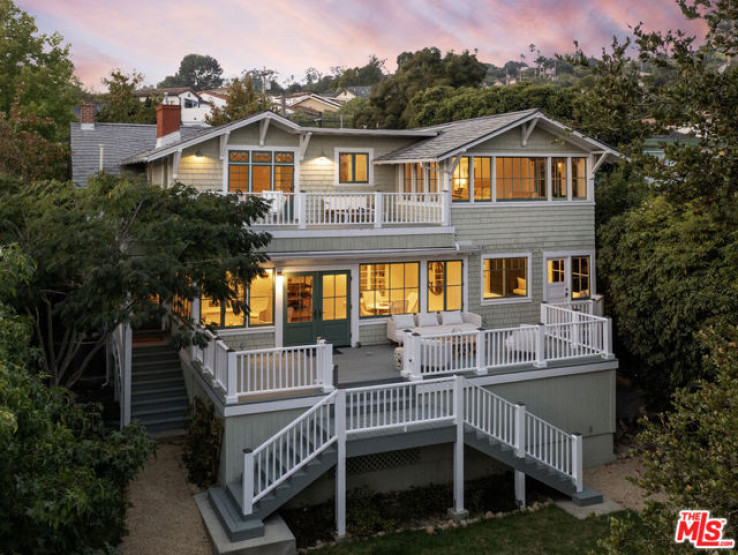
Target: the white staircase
(387, 417)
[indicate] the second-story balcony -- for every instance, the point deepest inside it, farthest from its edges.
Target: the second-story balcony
(316, 210)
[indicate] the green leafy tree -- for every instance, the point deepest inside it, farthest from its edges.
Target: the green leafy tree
(120, 105)
(369, 74)
(690, 456)
(63, 474)
(125, 245)
(242, 100)
(197, 71)
(417, 72)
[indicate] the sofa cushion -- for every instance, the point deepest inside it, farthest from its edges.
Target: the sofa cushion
(403, 321)
(451, 318)
(427, 319)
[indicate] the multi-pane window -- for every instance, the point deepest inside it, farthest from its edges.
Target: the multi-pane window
(505, 278)
(445, 285)
(433, 177)
(460, 180)
(259, 171)
(556, 270)
(225, 314)
(558, 178)
(389, 289)
(579, 178)
(420, 178)
(353, 167)
(521, 178)
(580, 277)
(482, 178)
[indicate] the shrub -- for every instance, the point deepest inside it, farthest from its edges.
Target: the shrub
(202, 447)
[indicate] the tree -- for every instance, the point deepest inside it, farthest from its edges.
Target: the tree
(127, 249)
(370, 74)
(242, 100)
(197, 71)
(36, 73)
(63, 474)
(690, 456)
(120, 105)
(417, 72)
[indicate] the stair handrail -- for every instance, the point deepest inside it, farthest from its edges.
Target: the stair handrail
(493, 406)
(550, 445)
(262, 474)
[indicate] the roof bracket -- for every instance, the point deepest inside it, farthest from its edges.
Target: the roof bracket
(304, 141)
(526, 130)
(224, 144)
(597, 163)
(263, 126)
(175, 165)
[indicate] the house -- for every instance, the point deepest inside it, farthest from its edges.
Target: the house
(194, 106)
(488, 222)
(349, 93)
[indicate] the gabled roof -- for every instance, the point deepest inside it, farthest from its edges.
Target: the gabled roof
(172, 91)
(456, 137)
(119, 141)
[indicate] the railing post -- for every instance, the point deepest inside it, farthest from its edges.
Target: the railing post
(378, 209)
(576, 332)
(411, 357)
(300, 210)
(577, 461)
(247, 483)
(340, 419)
(540, 337)
(446, 208)
(325, 365)
(520, 430)
(544, 313)
(607, 339)
(459, 445)
(481, 354)
(231, 377)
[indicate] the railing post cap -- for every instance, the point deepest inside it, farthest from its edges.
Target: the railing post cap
(577, 434)
(247, 451)
(520, 405)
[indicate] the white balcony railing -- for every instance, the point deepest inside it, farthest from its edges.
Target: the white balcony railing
(565, 334)
(372, 209)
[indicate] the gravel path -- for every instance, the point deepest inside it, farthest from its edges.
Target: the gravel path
(609, 480)
(164, 518)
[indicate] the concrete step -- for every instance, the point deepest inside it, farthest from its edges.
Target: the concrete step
(236, 526)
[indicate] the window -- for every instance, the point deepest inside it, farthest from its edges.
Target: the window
(460, 180)
(420, 178)
(505, 278)
(388, 289)
(556, 270)
(353, 167)
(579, 178)
(259, 171)
(445, 285)
(482, 178)
(521, 178)
(558, 178)
(580, 277)
(433, 177)
(261, 300)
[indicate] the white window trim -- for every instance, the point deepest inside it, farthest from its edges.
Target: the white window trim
(507, 300)
(569, 255)
(336, 162)
(251, 148)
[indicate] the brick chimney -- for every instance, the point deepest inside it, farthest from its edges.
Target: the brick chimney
(167, 124)
(87, 116)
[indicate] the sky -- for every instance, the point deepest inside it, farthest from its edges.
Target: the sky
(289, 36)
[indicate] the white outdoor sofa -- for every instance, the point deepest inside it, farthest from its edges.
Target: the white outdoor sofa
(431, 323)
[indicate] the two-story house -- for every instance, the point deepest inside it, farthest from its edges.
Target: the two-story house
(469, 243)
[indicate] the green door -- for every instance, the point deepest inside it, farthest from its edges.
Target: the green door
(317, 304)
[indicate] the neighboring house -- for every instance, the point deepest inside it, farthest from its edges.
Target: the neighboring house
(194, 107)
(656, 145)
(477, 236)
(349, 93)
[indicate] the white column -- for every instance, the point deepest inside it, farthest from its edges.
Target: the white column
(540, 332)
(231, 376)
(325, 365)
(378, 209)
(300, 210)
(459, 446)
(607, 338)
(577, 461)
(520, 488)
(247, 483)
(481, 354)
(340, 409)
(520, 430)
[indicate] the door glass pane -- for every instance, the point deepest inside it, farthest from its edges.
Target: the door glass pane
(580, 277)
(299, 299)
(334, 297)
(556, 270)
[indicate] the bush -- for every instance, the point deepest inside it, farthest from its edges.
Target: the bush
(202, 447)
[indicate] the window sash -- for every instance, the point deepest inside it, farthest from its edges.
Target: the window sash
(506, 278)
(353, 167)
(445, 285)
(389, 288)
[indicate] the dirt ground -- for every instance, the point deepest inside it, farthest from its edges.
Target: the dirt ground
(164, 518)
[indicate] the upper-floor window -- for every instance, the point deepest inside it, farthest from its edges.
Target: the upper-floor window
(353, 167)
(521, 178)
(256, 171)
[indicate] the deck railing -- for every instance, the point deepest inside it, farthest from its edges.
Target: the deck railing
(565, 334)
(122, 349)
(264, 371)
(369, 209)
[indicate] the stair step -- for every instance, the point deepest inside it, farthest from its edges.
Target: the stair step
(164, 373)
(162, 424)
(152, 393)
(162, 377)
(158, 412)
(142, 366)
(236, 526)
(160, 401)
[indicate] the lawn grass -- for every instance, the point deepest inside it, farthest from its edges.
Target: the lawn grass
(548, 531)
